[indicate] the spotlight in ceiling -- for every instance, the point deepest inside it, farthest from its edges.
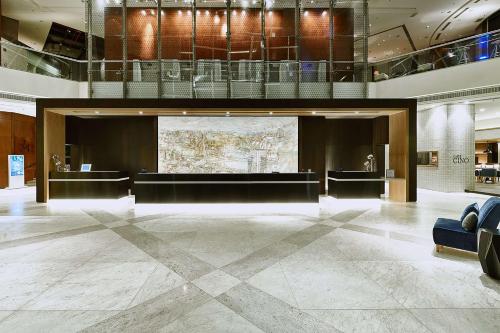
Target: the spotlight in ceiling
(140, 112)
(96, 112)
(271, 112)
(184, 112)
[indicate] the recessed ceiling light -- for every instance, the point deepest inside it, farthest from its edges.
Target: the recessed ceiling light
(96, 112)
(140, 112)
(271, 112)
(228, 113)
(314, 112)
(184, 112)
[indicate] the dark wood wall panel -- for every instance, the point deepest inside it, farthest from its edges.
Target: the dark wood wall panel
(17, 137)
(24, 142)
(312, 147)
(5, 145)
(339, 144)
(121, 143)
(348, 143)
(381, 130)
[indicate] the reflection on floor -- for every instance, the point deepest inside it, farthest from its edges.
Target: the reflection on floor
(488, 189)
(349, 266)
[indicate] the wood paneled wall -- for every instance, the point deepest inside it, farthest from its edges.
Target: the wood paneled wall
(245, 34)
(24, 142)
(398, 156)
(348, 143)
(115, 143)
(5, 146)
(53, 137)
(335, 144)
(312, 147)
(17, 136)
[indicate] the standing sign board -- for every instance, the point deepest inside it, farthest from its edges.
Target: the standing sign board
(16, 171)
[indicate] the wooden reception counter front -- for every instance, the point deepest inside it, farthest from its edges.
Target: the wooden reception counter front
(226, 188)
(88, 185)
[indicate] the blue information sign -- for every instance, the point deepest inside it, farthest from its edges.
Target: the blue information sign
(16, 165)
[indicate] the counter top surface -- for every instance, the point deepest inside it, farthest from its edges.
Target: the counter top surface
(80, 175)
(228, 177)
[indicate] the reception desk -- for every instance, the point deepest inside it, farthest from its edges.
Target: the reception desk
(355, 184)
(88, 185)
(226, 188)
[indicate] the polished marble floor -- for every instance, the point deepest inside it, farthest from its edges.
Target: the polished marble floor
(342, 266)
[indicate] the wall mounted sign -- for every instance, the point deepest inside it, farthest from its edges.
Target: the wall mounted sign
(458, 159)
(16, 171)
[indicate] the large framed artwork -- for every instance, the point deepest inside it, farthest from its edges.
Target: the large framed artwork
(227, 144)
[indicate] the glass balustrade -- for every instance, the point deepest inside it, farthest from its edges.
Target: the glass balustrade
(465, 51)
(24, 59)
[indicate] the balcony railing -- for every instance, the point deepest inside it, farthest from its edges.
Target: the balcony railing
(38, 62)
(222, 79)
(464, 51)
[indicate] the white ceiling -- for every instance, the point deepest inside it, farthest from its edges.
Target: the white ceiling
(423, 20)
(36, 16)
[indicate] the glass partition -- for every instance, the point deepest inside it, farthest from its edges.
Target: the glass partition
(24, 59)
(228, 48)
(247, 58)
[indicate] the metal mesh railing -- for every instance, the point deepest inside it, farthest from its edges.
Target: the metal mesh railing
(230, 49)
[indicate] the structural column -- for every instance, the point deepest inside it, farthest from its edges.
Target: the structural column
(158, 50)
(330, 53)
(228, 46)
(297, 47)
(124, 48)
(366, 32)
(263, 47)
(90, 57)
(193, 48)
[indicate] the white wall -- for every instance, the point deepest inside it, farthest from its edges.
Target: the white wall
(474, 75)
(36, 85)
(449, 130)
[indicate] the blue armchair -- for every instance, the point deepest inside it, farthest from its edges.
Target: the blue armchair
(450, 233)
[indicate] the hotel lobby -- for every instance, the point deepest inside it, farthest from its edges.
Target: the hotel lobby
(249, 166)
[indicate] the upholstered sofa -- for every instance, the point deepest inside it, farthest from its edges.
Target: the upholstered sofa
(448, 232)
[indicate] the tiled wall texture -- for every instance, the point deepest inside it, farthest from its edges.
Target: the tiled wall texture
(448, 129)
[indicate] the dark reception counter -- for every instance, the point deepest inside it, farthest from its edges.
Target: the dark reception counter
(226, 188)
(88, 185)
(355, 184)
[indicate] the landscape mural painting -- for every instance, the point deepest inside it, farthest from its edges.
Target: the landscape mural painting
(227, 144)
